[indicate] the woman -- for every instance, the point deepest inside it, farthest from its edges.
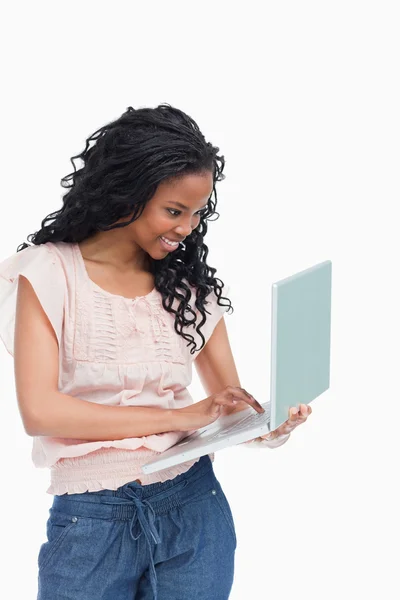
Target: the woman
(115, 303)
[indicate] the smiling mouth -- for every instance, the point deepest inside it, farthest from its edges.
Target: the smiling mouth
(168, 247)
(171, 239)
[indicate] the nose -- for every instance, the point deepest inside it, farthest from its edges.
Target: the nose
(184, 230)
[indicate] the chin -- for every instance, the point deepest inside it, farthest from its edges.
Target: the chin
(155, 251)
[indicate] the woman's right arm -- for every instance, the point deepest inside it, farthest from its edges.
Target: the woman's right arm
(45, 411)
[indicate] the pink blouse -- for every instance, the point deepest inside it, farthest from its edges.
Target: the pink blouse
(112, 350)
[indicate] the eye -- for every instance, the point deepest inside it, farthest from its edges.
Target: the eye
(178, 212)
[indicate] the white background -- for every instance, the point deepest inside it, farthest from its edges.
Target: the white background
(302, 98)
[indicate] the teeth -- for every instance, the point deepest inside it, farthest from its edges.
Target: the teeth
(169, 242)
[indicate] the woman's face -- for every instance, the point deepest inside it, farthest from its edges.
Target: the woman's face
(162, 216)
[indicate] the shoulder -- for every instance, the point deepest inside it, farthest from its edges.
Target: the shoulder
(42, 267)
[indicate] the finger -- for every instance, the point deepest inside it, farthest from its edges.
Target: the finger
(295, 420)
(241, 394)
(232, 396)
(298, 415)
(306, 411)
(251, 398)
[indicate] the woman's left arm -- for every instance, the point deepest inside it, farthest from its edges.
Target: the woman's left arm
(216, 368)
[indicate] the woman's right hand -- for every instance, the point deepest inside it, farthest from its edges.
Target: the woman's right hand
(207, 411)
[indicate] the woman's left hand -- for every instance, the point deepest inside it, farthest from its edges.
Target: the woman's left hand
(296, 417)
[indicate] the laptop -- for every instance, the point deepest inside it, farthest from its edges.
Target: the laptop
(300, 367)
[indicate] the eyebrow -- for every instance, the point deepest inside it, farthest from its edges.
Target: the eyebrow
(183, 206)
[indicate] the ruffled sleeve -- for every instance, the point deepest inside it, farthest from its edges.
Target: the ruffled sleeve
(42, 267)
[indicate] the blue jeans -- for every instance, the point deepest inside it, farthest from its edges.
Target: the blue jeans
(164, 541)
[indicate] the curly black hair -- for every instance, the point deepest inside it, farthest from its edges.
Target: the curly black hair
(120, 174)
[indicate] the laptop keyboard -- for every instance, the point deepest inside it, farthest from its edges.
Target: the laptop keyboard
(255, 420)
